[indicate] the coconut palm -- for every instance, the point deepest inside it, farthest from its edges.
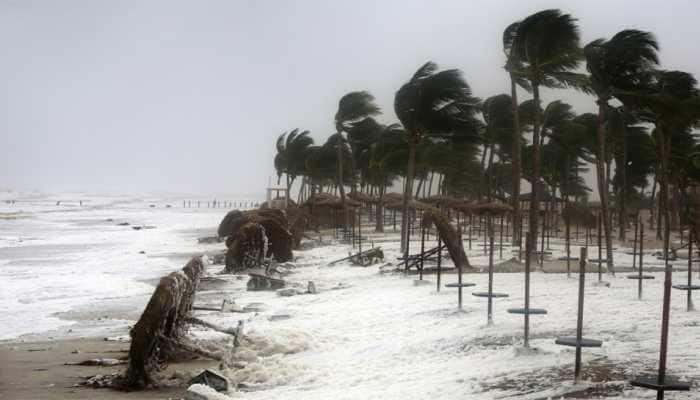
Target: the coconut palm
(623, 63)
(352, 108)
(291, 156)
(433, 103)
(513, 65)
(544, 49)
(498, 116)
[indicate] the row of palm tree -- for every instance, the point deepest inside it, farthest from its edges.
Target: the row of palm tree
(483, 148)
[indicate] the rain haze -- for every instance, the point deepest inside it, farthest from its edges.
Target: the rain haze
(190, 96)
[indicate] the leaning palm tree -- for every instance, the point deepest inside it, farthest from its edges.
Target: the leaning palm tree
(545, 50)
(623, 63)
(433, 103)
(513, 64)
(291, 154)
(353, 107)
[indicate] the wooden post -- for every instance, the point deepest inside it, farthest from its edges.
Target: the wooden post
(359, 228)
(579, 319)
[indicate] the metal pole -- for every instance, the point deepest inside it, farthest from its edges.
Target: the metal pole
(579, 319)
(690, 269)
(528, 250)
(490, 304)
(600, 247)
(471, 223)
(634, 245)
(422, 248)
(439, 260)
(568, 246)
(500, 241)
(641, 257)
(666, 310)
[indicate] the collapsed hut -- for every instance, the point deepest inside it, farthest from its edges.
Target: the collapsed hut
(253, 235)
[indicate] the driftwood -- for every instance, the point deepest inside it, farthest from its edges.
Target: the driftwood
(451, 236)
(165, 316)
(375, 252)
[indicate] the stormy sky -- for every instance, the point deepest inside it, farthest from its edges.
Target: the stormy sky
(189, 96)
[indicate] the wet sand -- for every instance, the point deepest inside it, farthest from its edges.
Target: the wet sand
(37, 370)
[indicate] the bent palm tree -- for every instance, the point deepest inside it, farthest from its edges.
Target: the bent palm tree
(291, 155)
(545, 49)
(623, 63)
(433, 103)
(353, 107)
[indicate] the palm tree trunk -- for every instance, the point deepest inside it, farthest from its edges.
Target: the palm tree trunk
(603, 184)
(379, 228)
(534, 201)
(430, 185)
(344, 204)
(653, 196)
(622, 200)
(408, 191)
(420, 185)
(287, 194)
(488, 174)
(516, 162)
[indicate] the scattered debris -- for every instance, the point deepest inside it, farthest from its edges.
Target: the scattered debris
(213, 379)
(101, 362)
(311, 288)
(262, 282)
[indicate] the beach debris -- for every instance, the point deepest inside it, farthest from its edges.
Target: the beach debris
(363, 258)
(226, 306)
(451, 236)
(123, 224)
(230, 331)
(213, 379)
(263, 282)
(203, 392)
(100, 362)
(254, 307)
(311, 288)
(288, 292)
(218, 259)
(278, 317)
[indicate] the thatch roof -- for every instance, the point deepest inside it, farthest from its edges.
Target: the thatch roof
(412, 205)
(330, 201)
(363, 197)
(493, 208)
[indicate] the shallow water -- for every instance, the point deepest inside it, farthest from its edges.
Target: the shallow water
(61, 260)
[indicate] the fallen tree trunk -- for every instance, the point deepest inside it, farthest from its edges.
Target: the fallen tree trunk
(451, 236)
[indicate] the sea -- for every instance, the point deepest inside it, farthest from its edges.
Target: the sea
(82, 264)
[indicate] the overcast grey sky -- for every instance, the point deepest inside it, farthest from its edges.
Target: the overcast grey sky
(189, 96)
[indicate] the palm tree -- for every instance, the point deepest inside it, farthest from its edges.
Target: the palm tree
(353, 107)
(432, 103)
(387, 160)
(621, 63)
(498, 116)
(513, 65)
(544, 49)
(291, 156)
